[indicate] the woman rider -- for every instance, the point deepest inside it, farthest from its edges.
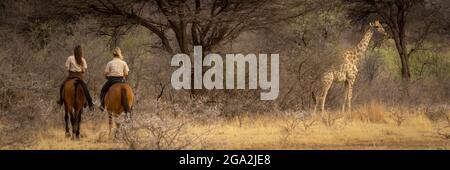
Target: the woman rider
(116, 71)
(76, 66)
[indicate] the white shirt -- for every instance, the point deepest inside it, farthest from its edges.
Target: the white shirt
(72, 65)
(117, 67)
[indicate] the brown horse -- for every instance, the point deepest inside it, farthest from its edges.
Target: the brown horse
(119, 99)
(74, 101)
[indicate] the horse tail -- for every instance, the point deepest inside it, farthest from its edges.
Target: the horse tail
(124, 100)
(76, 84)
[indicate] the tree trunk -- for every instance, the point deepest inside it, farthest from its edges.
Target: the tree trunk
(406, 75)
(180, 33)
(400, 42)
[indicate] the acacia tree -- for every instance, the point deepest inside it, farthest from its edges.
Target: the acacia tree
(191, 22)
(398, 15)
(182, 24)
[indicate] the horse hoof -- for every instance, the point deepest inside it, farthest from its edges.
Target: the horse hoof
(91, 108)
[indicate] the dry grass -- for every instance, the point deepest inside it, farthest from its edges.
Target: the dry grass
(267, 133)
(373, 113)
(373, 128)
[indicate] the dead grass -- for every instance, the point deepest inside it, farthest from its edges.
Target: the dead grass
(368, 127)
(372, 113)
(268, 133)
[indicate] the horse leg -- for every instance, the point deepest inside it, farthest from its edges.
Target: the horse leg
(127, 117)
(130, 116)
(66, 119)
(76, 131)
(110, 122)
(124, 101)
(117, 129)
(117, 125)
(72, 121)
(78, 122)
(80, 119)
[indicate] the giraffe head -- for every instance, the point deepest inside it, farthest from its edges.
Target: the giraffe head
(377, 26)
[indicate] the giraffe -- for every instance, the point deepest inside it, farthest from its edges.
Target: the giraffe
(346, 70)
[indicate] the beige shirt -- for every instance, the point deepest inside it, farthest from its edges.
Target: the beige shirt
(72, 65)
(117, 67)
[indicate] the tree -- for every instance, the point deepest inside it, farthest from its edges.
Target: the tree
(398, 15)
(191, 22)
(34, 20)
(182, 24)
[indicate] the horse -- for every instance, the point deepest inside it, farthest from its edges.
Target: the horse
(74, 101)
(119, 99)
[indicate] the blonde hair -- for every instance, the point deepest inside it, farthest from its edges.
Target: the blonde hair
(118, 53)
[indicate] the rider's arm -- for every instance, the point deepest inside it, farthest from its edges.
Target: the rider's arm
(84, 65)
(67, 65)
(106, 70)
(126, 70)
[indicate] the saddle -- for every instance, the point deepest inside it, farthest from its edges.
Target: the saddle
(73, 75)
(114, 80)
(117, 80)
(73, 78)
(111, 81)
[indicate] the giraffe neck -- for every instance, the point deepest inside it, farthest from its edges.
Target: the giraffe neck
(362, 46)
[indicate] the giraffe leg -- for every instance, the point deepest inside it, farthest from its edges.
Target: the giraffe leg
(346, 91)
(349, 94)
(321, 96)
(349, 98)
(324, 94)
(316, 96)
(322, 91)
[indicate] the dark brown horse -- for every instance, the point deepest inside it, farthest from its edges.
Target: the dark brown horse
(74, 101)
(119, 99)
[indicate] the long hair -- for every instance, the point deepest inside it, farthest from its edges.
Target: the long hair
(78, 55)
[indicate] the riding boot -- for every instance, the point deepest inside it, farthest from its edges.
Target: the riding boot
(88, 96)
(103, 92)
(60, 101)
(105, 88)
